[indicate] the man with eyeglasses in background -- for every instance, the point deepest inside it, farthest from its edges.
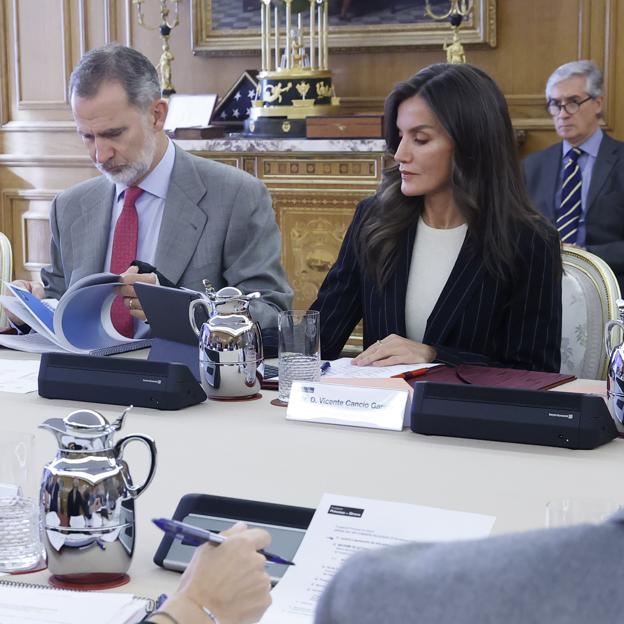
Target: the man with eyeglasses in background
(579, 183)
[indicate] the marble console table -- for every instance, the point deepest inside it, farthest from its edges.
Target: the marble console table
(315, 186)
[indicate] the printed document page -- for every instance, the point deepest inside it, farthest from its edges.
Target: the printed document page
(42, 605)
(30, 343)
(344, 368)
(343, 525)
(18, 376)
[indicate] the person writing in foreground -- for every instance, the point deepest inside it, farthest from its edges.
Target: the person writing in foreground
(507, 578)
(449, 261)
(227, 584)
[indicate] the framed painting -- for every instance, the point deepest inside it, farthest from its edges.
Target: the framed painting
(233, 26)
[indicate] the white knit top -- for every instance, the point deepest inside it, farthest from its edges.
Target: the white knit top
(434, 255)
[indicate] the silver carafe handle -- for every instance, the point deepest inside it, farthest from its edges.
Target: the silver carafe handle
(137, 490)
(607, 335)
(192, 307)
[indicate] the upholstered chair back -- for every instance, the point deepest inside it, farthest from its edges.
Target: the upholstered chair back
(589, 293)
(6, 270)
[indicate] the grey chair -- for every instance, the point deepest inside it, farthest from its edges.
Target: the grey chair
(589, 293)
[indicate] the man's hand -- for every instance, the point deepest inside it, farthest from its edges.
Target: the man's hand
(129, 278)
(35, 288)
(229, 579)
(394, 349)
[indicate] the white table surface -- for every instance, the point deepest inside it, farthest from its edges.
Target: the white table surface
(248, 450)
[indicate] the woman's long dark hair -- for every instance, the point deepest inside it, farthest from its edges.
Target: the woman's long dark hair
(487, 183)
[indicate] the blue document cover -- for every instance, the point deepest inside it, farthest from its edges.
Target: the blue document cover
(81, 322)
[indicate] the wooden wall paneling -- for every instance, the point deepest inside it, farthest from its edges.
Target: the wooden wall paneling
(4, 75)
(600, 45)
(97, 24)
(24, 215)
(616, 43)
(41, 75)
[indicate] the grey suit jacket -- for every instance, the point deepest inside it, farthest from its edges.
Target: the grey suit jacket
(604, 212)
(217, 224)
(572, 575)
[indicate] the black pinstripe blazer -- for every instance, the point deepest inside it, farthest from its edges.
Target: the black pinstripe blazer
(477, 318)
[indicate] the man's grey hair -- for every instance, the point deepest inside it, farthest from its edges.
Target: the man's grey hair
(116, 63)
(588, 69)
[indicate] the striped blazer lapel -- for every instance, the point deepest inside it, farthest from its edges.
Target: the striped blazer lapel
(392, 314)
(467, 275)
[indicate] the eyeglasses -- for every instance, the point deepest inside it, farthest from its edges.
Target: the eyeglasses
(554, 107)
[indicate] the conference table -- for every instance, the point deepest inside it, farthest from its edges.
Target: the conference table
(247, 449)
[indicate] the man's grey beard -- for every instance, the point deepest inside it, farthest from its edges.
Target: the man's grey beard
(134, 171)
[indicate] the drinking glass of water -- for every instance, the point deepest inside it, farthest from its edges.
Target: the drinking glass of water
(20, 530)
(567, 511)
(299, 349)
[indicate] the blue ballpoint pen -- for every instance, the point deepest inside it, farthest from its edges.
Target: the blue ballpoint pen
(325, 366)
(195, 536)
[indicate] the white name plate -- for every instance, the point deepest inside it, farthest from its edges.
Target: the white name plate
(355, 406)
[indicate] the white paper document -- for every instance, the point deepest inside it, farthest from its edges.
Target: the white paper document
(189, 111)
(343, 367)
(30, 343)
(42, 605)
(18, 376)
(342, 526)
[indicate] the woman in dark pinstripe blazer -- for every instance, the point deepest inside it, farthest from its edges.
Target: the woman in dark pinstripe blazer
(451, 237)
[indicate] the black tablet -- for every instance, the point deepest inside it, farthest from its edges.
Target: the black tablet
(286, 524)
(167, 311)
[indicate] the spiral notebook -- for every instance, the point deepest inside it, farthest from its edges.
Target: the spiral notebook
(42, 604)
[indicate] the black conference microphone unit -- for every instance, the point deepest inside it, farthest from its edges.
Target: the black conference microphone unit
(120, 381)
(565, 419)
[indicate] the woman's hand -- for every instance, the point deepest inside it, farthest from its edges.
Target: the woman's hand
(229, 579)
(395, 349)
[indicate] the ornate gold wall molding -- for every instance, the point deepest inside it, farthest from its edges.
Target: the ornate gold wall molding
(313, 223)
(310, 171)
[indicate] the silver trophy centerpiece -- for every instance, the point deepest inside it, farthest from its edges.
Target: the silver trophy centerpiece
(87, 500)
(230, 345)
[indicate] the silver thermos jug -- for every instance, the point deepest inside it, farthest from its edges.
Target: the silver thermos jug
(87, 499)
(230, 345)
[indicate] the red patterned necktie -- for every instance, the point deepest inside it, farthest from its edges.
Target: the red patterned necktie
(124, 252)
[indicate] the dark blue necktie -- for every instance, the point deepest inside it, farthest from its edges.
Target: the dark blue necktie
(570, 210)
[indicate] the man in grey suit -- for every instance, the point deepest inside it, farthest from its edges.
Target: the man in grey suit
(192, 218)
(579, 183)
(571, 575)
